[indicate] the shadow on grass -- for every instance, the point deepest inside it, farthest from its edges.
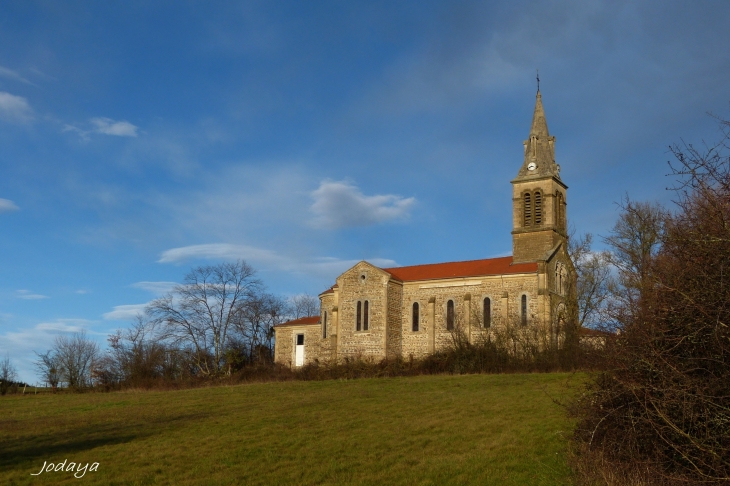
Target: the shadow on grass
(62, 444)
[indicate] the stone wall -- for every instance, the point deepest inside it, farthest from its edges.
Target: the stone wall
(395, 311)
(362, 282)
(504, 292)
(285, 345)
(328, 345)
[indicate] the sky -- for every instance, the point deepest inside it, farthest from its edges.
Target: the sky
(141, 139)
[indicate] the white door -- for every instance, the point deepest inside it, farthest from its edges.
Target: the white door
(299, 353)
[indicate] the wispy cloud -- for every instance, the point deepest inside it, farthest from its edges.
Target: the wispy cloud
(339, 204)
(157, 288)
(218, 251)
(7, 206)
(107, 126)
(11, 74)
(124, 312)
(28, 295)
(104, 126)
(14, 109)
(64, 326)
(328, 267)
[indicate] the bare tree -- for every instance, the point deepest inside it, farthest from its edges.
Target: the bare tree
(593, 282)
(137, 356)
(305, 305)
(201, 312)
(48, 369)
(258, 318)
(634, 240)
(8, 375)
(74, 357)
(660, 413)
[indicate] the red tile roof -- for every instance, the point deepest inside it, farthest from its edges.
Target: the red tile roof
(301, 321)
(472, 268)
(587, 332)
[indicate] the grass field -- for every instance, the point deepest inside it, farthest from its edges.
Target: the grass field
(473, 429)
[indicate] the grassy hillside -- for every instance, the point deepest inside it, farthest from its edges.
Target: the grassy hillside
(475, 429)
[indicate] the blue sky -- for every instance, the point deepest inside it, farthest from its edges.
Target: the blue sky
(139, 139)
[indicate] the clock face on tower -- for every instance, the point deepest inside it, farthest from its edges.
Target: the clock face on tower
(532, 166)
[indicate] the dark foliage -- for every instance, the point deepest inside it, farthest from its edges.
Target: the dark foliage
(660, 414)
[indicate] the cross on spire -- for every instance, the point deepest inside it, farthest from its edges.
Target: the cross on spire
(538, 80)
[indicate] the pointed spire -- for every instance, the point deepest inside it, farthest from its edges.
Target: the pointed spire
(539, 147)
(539, 123)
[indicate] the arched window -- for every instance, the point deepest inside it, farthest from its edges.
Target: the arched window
(450, 315)
(523, 310)
(365, 317)
(527, 213)
(358, 317)
(415, 318)
(324, 326)
(487, 312)
(538, 208)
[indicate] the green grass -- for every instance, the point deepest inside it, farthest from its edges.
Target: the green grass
(473, 429)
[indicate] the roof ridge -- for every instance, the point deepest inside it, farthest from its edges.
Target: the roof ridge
(446, 263)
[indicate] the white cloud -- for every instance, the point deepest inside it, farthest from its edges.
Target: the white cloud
(108, 126)
(64, 325)
(7, 206)
(28, 295)
(217, 251)
(328, 267)
(339, 204)
(83, 292)
(157, 288)
(10, 74)
(124, 312)
(14, 109)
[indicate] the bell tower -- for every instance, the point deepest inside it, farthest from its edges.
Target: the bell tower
(539, 222)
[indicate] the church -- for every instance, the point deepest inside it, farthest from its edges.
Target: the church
(376, 313)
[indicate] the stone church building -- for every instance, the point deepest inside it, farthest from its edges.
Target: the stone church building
(376, 313)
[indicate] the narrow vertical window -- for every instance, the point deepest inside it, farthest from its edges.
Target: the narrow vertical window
(324, 326)
(527, 210)
(561, 211)
(487, 312)
(450, 315)
(415, 318)
(365, 317)
(560, 280)
(523, 310)
(538, 208)
(358, 317)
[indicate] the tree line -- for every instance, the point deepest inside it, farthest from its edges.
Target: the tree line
(219, 320)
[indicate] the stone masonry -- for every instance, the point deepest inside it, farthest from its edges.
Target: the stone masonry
(369, 313)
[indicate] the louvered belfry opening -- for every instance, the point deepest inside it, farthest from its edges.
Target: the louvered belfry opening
(538, 208)
(528, 210)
